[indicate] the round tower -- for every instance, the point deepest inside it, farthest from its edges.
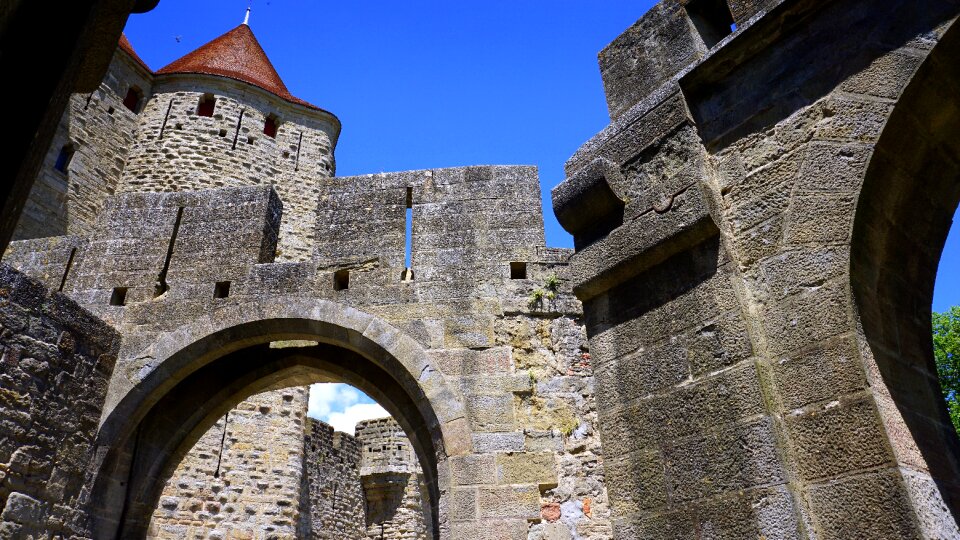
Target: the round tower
(222, 116)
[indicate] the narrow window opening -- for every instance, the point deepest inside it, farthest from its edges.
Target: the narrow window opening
(66, 272)
(408, 234)
(296, 165)
(119, 296)
(341, 280)
(64, 158)
(166, 117)
(712, 19)
(161, 287)
(110, 110)
(223, 442)
(518, 270)
(206, 105)
(270, 126)
(236, 134)
(250, 139)
(178, 126)
(133, 99)
(223, 133)
(221, 289)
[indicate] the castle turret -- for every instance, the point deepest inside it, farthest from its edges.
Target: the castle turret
(222, 116)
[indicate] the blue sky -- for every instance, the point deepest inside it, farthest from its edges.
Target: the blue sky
(436, 84)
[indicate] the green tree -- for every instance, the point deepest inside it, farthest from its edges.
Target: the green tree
(946, 351)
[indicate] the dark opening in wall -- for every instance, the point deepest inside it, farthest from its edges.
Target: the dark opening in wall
(206, 105)
(134, 99)
(221, 289)
(119, 296)
(341, 280)
(270, 126)
(223, 133)
(518, 270)
(64, 158)
(711, 18)
(250, 139)
(407, 274)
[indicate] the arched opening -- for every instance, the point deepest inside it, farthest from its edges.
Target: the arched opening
(320, 462)
(159, 420)
(904, 212)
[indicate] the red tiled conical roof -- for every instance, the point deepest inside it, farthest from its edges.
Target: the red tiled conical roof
(128, 48)
(236, 55)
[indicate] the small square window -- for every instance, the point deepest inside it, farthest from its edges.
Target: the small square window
(341, 280)
(518, 270)
(206, 106)
(712, 19)
(64, 158)
(134, 99)
(270, 126)
(221, 289)
(119, 296)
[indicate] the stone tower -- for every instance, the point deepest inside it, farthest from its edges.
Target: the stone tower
(205, 191)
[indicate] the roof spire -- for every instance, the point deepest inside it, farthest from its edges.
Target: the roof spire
(246, 18)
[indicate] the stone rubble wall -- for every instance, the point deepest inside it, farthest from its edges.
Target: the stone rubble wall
(178, 150)
(102, 131)
(335, 493)
(244, 483)
(56, 360)
(392, 482)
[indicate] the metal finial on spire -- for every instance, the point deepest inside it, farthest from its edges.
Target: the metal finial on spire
(246, 18)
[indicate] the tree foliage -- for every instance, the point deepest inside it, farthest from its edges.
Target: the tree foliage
(946, 351)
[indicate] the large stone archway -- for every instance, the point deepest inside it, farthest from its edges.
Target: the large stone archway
(762, 259)
(209, 365)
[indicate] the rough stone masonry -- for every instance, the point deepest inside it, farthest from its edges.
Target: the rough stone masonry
(756, 238)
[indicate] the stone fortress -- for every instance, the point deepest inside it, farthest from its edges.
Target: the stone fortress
(756, 239)
(205, 186)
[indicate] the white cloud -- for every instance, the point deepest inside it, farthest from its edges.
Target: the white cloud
(342, 406)
(347, 420)
(329, 397)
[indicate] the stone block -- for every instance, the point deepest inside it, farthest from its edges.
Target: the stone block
(527, 468)
(504, 502)
(841, 437)
(874, 505)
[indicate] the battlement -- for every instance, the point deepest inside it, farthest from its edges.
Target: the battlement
(666, 41)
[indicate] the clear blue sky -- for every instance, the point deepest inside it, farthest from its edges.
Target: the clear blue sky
(439, 83)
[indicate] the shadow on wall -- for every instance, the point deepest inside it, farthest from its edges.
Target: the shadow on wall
(739, 106)
(904, 213)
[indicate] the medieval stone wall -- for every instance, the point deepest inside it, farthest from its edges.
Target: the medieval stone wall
(735, 395)
(56, 360)
(337, 508)
(243, 478)
(178, 150)
(512, 346)
(392, 482)
(101, 132)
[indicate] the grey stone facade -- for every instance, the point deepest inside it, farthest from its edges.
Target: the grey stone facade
(337, 506)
